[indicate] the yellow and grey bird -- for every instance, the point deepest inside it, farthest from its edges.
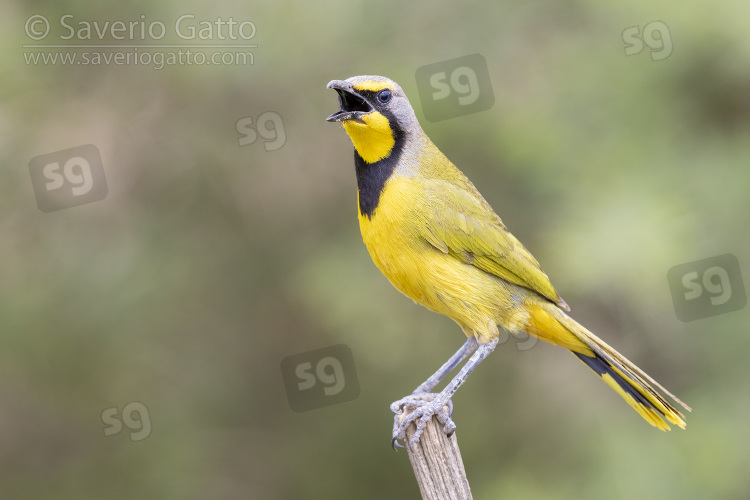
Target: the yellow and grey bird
(437, 240)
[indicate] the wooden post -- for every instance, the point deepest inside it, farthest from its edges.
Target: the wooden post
(437, 463)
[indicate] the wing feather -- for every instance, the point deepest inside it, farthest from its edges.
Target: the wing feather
(464, 225)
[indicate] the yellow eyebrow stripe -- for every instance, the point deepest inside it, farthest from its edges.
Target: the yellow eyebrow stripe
(372, 85)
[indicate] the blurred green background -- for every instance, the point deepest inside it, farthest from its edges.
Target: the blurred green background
(209, 262)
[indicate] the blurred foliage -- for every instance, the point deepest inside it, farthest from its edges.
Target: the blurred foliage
(209, 262)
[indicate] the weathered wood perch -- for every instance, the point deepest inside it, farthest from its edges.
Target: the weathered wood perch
(437, 463)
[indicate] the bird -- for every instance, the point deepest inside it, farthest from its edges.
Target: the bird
(438, 241)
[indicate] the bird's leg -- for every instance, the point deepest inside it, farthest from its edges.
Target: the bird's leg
(469, 347)
(428, 404)
(422, 393)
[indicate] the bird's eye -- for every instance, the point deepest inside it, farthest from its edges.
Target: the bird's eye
(384, 96)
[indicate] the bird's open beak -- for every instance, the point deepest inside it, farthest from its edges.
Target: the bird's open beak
(352, 104)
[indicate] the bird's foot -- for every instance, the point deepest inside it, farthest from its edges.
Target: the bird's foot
(424, 406)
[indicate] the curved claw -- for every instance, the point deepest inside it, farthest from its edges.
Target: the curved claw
(449, 428)
(450, 408)
(395, 444)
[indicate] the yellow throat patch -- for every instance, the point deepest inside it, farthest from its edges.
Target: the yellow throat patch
(372, 136)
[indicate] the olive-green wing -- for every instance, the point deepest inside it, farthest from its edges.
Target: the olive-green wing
(461, 223)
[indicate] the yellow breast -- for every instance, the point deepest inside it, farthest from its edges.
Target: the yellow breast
(392, 241)
(428, 276)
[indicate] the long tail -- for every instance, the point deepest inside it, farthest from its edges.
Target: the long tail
(549, 323)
